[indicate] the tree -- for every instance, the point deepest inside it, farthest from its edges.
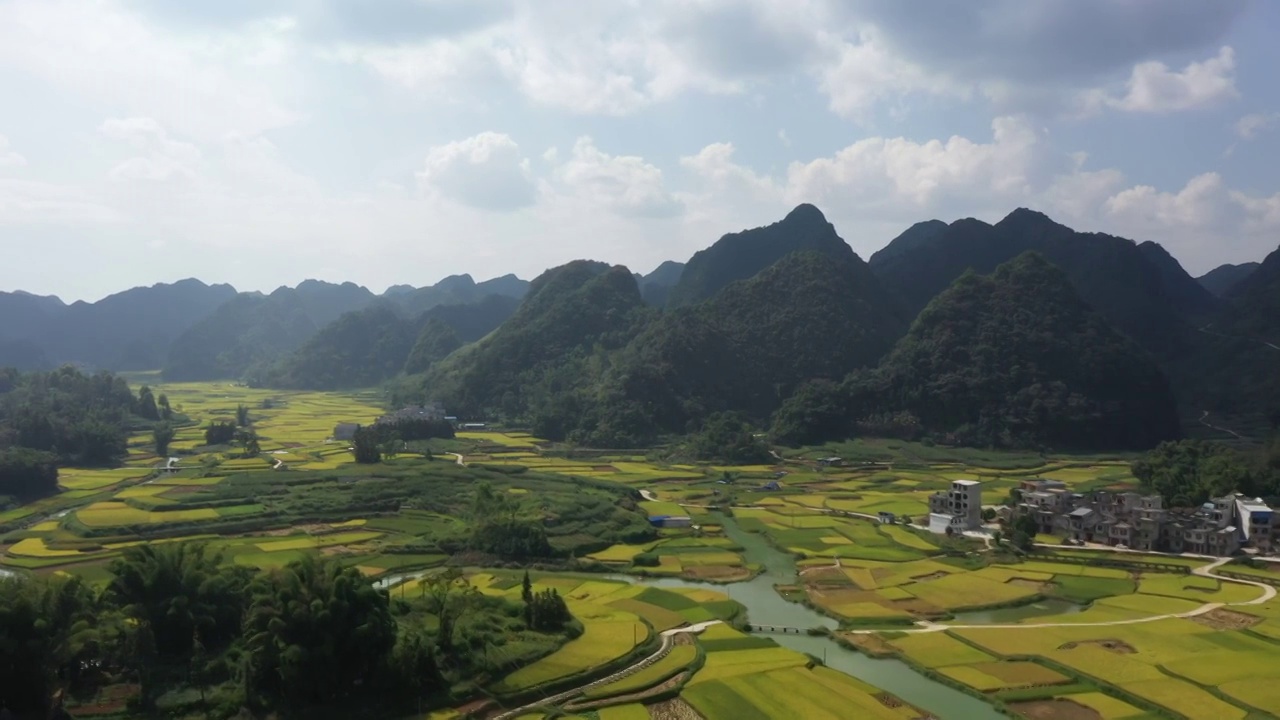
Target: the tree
(448, 595)
(242, 416)
(248, 440)
(414, 663)
(726, 437)
(366, 445)
(147, 404)
(28, 474)
(220, 432)
(549, 611)
(166, 412)
(1189, 472)
(162, 435)
(174, 593)
(526, 594)
(314, 632)
(988, 514)
(47, 635)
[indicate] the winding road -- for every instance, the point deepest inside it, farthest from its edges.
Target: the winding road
(668, 642)
(1268, 594)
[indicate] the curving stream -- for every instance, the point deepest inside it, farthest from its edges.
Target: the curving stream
(765, 606)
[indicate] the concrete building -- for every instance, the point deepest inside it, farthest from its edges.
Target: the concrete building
(957, 509)
(1141, 522)
(1257, 522)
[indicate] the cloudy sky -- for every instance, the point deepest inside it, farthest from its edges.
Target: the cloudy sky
(262, 142)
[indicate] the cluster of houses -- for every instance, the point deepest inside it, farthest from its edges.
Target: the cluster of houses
(1141, 522)
(434, 411)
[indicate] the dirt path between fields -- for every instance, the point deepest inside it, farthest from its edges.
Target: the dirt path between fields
(1268, 594)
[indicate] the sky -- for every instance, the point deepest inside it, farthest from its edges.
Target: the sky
(264, 142)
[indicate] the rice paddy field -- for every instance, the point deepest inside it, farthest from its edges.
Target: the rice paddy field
(1063, 634)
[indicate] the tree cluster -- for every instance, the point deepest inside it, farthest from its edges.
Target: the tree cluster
(310, 636)
(220, 432)
(1187, 473)
(728, 439)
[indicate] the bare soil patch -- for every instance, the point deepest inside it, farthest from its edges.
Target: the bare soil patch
(1119, 647)
(873, 645)
(826, 575)
(726, 573)
(930, 576)
(1057, 709)
(1222, 619)
(889, 701)
(674, 709)
(341, 550)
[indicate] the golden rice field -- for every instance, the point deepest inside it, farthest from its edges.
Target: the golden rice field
(885, 573)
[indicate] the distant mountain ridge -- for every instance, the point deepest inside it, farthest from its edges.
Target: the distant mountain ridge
(1141, 290)
(129, 330)
(1012, 359)
(1223, 278)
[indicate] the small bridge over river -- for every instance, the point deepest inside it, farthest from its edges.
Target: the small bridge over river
(776, 629)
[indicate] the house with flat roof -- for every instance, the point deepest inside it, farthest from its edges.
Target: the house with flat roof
(956, 509)
(1141, 522)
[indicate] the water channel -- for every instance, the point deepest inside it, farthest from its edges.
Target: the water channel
(766, 607)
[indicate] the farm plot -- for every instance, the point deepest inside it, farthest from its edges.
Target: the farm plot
(605, 638)
(679, 658)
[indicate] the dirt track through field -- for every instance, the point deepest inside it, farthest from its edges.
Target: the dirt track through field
(1268, 594)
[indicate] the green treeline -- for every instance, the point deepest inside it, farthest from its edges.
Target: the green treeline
(65, 417)
(310, 638)
(1189, 472)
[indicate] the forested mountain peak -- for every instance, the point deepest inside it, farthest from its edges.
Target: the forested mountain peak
(912, 237)
(1142, 292)
(740, 255)
(570, 312)
(806, 316)
(1017, 358)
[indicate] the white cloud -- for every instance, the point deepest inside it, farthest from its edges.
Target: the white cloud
(484, 171)
(876, 187)
(1154, 88)
(203, 85)
(899, 172)
(163, 158)
(1254, 124)
(625, 184)
(9, 158)
(28, 202)
(861, 74)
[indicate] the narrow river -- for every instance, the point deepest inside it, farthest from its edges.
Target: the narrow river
(765, 606)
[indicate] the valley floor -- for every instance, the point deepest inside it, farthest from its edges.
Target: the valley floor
(1063, 633)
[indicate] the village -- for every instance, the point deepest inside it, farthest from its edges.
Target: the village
(1221, 527)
